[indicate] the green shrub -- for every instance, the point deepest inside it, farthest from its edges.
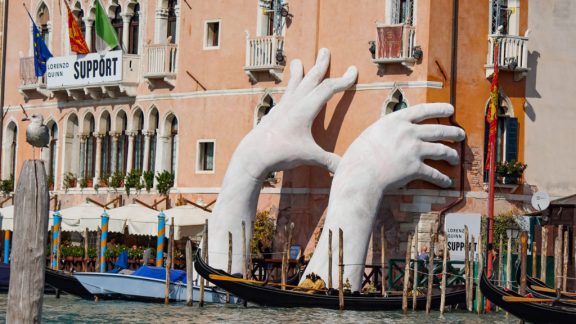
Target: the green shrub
(117, 180)
(165, 182)
(264, 227)
(133, 181)
(148, 180)
(7, 186)
(69, 181)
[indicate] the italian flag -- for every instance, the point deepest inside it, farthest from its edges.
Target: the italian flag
(106, 38)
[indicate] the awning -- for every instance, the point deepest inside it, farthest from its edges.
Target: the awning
(7, 218)
(561, 211)
(188, 221)
(139, 219)
(86, 215)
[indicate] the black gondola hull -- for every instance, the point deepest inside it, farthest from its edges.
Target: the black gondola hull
(274, 297)
(67, 283)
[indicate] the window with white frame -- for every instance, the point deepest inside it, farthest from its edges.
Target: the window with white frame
(504, 15)
(272, 17)
(212, 34)
(205, 161)
(401, 11)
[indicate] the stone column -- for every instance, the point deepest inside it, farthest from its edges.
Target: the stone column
(160, 33)
(114, 152)
(83, 138)
(125, 31)
(146, 162)
(162, 154)
(98, 166)
(89, 23)
(130, 160)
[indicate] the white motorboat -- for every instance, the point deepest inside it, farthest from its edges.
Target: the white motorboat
(146, 284)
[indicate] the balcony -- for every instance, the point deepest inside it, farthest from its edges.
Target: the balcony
(91, 76)
(160, 64)
(31, 87)
(395, 44)
(264, 54)
(512, 55)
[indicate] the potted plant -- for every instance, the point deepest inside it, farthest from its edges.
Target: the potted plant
(148, 180)
(67, 253)
(103, 181)
(69, 181)
(510, 171)
(165, 182)
(117, 180)
(78, 253)
(133, 181)
(7, 186)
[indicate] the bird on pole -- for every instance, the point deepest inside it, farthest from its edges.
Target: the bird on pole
(37, 133)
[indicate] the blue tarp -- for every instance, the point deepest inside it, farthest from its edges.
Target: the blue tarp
(160, 273)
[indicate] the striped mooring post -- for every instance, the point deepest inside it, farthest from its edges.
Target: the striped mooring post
(161, 235)
(103, 240)
(7, 235)
(55, 244)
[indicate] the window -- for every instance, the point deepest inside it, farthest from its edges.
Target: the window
(53, 150)
(171, 26)
(90, 153)
(80, 20)
(499, 16)
(153, 140)
(174, 144)
(106, 159)
(133, 31)
(122, 149)
(402, 12)
(205, 156)
(212, 35)
(396, 101)
(138, 161)
(506, 136)
(10, 151)
(117, 23)
(43, 20)
(401, 104)
(271, 20)
(264, 108)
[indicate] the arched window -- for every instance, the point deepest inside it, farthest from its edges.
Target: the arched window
(171, 23)
(79, 15)
(90, 149)
(122, 149)
(43, 21)
(173, 144)
(271, 20)
(138, 161)
(133, 31)
(10, 151)
(71, 157)
(401, 104)
(153, 128)
(106, 159)
(53, 150)
(402, 11)
(117, 23)
(395, 102)
(506, 135)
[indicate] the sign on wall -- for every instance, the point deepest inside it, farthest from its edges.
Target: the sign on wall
(83, 70)
(454, 229)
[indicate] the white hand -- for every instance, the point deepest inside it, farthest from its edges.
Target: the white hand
(388, 154)
(281, 141)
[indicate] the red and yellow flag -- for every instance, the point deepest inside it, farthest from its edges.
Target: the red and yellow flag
(77, 41)
(492, 113)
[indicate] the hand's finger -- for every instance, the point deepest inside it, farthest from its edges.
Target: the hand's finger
(296, 74)
(422, 112)
(428, 173)
(315, 75)
(322, 93)
(324, 159)
(433, 133)
(437, 151)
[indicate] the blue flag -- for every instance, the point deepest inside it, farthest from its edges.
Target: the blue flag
(41, 51)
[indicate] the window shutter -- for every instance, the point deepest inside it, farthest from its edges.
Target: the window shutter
(512, 139)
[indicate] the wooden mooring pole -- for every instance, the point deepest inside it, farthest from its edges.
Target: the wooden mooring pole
(286, 254)
(479, 297)
(244, 253)
(466, 262)
(544, 254)
(500, 277)
(383, 260)
(169, 259)
(229, 263)
(205, 257)
(558, 258)
(406, 275)
(329, 259)
(189, 278)
(86, 257)
(444, 274)
(470, 296)
(341, 269)
(415, 284)
(534, 271)
(430, 272)
(523, 261)
(565, 262)
(31, 207)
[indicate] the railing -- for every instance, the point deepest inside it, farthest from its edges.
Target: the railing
(27, 72)
(512, 54)
(455, 273)
(160, 60)
(262, 52)
(394, 43)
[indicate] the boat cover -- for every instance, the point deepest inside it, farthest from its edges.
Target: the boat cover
(160, 273)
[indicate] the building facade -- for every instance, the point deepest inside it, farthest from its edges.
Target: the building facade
(196, 76)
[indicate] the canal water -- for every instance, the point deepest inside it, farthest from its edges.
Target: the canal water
(69, 309)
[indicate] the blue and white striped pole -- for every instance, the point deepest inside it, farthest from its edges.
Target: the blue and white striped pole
(160, 242)
(55, 242)
(103, 240)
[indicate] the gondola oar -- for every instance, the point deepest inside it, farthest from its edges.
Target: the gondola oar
(550, 290)
(227, 278)
(517, 299)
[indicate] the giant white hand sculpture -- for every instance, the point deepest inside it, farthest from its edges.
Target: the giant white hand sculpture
(281, 141)
(387, 155)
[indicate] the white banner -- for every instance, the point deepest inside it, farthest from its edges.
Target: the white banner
(82, 70)
(454, 229)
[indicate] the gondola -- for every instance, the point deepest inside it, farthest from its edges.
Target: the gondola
(535, 282)
(275, 297)
(527, 311)
(66, 283)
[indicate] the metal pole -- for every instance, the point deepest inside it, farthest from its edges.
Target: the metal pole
(103, 240)
(160, 241)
